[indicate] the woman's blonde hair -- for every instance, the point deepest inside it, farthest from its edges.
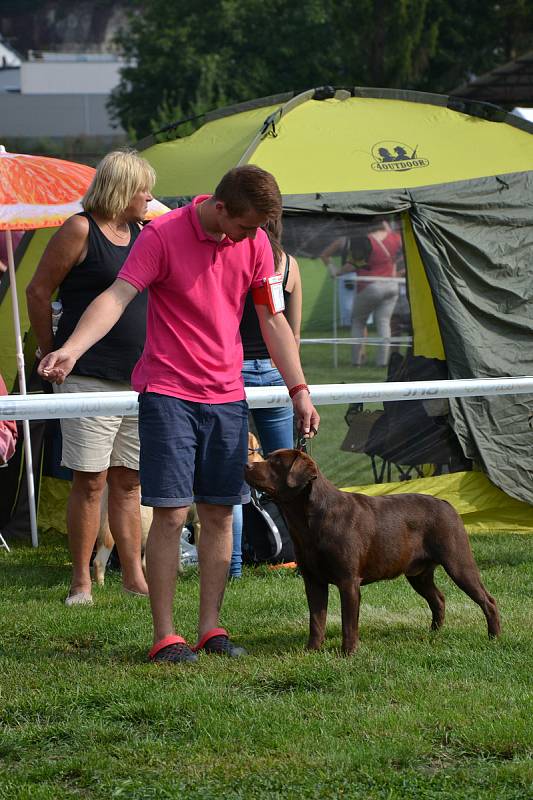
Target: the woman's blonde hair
(119, 176)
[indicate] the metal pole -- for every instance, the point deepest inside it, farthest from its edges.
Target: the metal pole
(335, 348)
(22, 386)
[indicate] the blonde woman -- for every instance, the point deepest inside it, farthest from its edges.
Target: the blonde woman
(81, 261)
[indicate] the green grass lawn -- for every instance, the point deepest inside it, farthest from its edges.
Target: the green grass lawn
(413, 714)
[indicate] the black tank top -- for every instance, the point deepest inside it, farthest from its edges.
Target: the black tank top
(114, 356)
(253, 344)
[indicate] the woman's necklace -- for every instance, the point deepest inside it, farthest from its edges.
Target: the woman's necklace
(116, 232)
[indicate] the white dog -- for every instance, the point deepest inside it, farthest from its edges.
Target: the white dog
(105, 541)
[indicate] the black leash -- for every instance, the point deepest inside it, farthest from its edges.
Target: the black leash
(303, 442)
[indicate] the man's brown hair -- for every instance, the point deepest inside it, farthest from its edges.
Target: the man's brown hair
(249, 187)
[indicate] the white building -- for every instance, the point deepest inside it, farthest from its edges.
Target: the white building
(60, 95)
(69, 73)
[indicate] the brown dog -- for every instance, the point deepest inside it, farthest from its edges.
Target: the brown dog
(350, 540)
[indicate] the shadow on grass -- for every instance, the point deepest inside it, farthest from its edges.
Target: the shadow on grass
(33, 579)
(78, 650)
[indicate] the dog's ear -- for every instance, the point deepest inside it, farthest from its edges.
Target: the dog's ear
(302, 471)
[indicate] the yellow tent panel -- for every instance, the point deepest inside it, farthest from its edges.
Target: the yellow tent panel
(343, 145)
(350, 139)
(427, 340)
(195, 164)
(483, 507)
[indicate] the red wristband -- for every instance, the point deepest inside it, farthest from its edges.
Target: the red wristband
(298, 388)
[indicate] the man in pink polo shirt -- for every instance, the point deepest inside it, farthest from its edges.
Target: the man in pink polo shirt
(198, 263)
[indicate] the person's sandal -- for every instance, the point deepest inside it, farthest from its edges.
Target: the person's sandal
(217, 642)
(79, 599)
(134, 593)
(172, 649)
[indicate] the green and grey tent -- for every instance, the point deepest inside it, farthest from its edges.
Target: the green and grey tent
(463, 185)
(457, 174)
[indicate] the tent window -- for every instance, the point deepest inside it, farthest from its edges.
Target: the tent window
(364, 288)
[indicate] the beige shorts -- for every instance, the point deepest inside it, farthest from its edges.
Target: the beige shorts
(93, 444)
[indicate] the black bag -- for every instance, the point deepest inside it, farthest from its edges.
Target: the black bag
(265, 536)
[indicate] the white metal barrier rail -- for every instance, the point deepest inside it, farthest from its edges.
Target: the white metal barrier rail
(371, 340)
(101, 404)
(356, 277)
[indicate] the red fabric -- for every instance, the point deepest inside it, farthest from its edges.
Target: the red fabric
(16, 236)
(8, 432)
(382, 259)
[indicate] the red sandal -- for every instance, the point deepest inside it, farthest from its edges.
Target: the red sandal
(217, 641)
(172, 649)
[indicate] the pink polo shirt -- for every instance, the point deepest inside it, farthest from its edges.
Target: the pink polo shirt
(196, 292)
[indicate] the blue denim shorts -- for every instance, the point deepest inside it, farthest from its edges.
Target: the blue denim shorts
(192, 451)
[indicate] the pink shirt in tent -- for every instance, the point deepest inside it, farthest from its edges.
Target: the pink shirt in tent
(381, 261)
(196, 292)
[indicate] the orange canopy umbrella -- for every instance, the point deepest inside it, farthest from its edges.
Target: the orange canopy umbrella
(39, 192)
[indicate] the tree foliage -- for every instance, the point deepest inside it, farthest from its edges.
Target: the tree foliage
(187, 58)
(476, 37)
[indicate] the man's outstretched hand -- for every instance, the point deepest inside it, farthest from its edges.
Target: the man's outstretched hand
(55, 366)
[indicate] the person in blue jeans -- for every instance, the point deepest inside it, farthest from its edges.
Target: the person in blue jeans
(274, 425)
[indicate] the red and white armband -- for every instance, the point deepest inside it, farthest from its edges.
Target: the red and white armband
(270, 293)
